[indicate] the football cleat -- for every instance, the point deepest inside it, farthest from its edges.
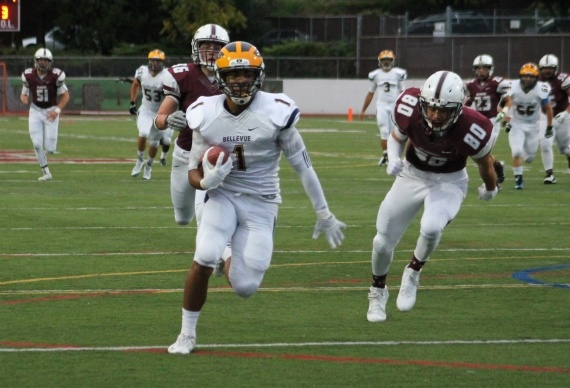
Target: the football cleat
(147, 171)
(549, 180)
(183, 345)
(163, 162)
(137, 169)
(377, 306)
(408, 289)
(45, 177)
(519, 184)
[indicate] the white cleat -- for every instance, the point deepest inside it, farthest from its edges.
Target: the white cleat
(377, 307)
(147, 171)
(549, 180)
(137, 169)
(408, 289)
(45, 177)
(183, 345)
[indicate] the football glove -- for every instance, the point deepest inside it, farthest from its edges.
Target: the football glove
(133, 108)
(395, 167)
(500, 117)
(214, 175)
(487, 195)
(506, 126)
(549, 132)
(176, 120)
(331, 227)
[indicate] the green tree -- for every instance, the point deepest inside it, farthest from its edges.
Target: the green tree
(185, 17)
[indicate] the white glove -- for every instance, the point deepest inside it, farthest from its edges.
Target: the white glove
(487, 195)
(215, 175)
(327, 223)
(176, 120)
(395, 166)
(560, 117)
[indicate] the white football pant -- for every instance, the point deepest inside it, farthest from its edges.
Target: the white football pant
(43, 133)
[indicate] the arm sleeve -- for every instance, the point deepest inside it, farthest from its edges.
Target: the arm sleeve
(395, 147)
(301, 163)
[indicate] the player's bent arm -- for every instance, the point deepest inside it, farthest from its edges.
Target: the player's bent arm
(63, 100)
(396, 145)
(547, 109)
(169, 105)
(198, 149)
(135, 86)
(486, 171)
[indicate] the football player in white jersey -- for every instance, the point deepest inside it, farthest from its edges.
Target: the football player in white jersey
(523, 104)
(559, 95)
(388, 80)
(45, 90)
(254, 128)
(149, 78)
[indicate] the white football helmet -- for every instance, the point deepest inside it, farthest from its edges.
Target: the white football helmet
(43, 53)
(549, 60)
(442, 90)
(483, 60)
(208, 33)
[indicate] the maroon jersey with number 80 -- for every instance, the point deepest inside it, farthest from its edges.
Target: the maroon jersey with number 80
(471, 133)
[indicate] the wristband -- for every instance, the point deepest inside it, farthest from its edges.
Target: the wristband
(57, 110)
(505, 110)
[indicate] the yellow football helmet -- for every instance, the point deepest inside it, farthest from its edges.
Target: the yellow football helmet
(238, 56)
(156, 60)
(528, 75)
(386, 60)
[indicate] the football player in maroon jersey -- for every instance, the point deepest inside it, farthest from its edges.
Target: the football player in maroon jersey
(183, 84)
(440, 133)
(559, 96)
(485, 91)
(43, 84)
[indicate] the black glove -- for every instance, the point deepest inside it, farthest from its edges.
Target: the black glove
(133, 108)
(549, 132)
(507, 127)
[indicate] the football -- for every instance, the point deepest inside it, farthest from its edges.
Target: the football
(214, 152)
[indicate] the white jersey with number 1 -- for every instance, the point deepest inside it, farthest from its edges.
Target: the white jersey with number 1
(254, 139)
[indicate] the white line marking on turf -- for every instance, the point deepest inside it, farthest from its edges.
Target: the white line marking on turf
(293, 345)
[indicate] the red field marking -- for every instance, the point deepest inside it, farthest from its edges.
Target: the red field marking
(386, 361)
(75, 296)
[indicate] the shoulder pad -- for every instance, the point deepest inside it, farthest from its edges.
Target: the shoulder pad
(195, 113)
(284, 112)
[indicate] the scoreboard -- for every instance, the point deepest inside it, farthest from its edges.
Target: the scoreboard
(9, 15)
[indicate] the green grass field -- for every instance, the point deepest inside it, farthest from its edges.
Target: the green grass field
(92, 267)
